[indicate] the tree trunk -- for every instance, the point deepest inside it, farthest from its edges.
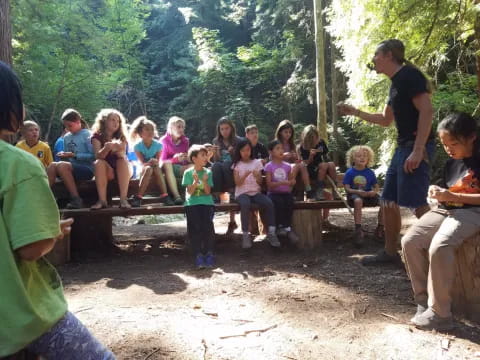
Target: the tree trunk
(320, 70)
(5, 32)
(334, 98)
(477, 52)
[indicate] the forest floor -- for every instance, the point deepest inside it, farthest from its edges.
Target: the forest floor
(147, 302)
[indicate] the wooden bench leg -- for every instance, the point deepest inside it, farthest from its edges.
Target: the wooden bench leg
(91, 233)
(308, 226)
(466, 290)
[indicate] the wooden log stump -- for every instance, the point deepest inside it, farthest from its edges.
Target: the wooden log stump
(60, 254)
(466, 290)
(308, 226)
(91, 234)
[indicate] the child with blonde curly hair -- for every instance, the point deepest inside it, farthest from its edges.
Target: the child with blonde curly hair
(109, 141)
(148, 150)
(361, 186)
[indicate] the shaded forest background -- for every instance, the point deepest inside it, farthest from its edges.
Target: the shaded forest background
(252, 60)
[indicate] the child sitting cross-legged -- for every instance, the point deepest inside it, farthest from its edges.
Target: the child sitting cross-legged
(148, 151)
(280, 180)
(247, 174)
(361, 186)
(199, 207)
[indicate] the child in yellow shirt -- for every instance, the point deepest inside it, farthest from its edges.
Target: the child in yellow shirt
(31, 143)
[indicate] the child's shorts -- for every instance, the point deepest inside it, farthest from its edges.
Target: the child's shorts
(82, 172)
(367, 201)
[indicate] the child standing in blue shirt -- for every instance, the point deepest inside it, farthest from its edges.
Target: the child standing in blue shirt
(361, 186)
(199, 207)
(148, 151)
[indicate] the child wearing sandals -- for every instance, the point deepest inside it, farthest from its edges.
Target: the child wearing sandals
(312, 151)
(76, 161)
(429, 245)
(148, 152)
(110, 147)
(279, 183)
(361, 186)
(247, 173)
(285, 133)
(199, 207)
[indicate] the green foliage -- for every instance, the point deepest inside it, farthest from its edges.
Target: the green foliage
(76, 54)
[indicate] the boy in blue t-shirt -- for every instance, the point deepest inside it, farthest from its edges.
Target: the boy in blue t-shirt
(361, 186)
(199, 207)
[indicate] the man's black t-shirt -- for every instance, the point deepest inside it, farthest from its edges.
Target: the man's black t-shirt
(259, 151)
(407, 83)
(459, 177)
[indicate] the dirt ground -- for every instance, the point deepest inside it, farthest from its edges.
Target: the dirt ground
(147, 302)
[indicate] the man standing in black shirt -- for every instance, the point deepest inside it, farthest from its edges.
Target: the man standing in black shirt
(408, 176)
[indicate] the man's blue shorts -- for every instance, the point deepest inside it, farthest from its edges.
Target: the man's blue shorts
(82, 172)
(408, 189)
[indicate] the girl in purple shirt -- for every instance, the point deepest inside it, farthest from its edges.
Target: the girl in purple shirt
(174, 155)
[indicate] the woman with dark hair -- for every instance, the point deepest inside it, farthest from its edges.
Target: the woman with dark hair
(409, 106)
(33, 308)
(439, 232)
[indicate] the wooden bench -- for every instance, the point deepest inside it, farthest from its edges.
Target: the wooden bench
(466, 290)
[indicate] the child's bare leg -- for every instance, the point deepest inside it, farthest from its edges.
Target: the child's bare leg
(357, 210)
(332, 171)
(124, 173)
(145, 179)
(328, 196)
(103, 173)
(160, 180)
(322, 171)
(305, 176)
(171, 180)
(65, 171)
(52, 173)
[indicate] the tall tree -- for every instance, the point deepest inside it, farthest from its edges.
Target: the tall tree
(320, 71)
(5, 32)
(477, 49)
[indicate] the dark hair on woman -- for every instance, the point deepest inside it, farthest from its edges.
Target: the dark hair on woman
(462, 126)
(72, 115)
(233, 132)
(286, 124)
(10, 99)
(236, 157)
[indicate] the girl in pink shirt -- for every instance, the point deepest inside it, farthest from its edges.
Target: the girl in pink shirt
(174, 155)
(247, 174)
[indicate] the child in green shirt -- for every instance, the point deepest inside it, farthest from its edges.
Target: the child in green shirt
(33, 310)
(199, 207)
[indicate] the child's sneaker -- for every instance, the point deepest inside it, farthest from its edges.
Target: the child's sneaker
(136, 201)
(75, 203)
(281, 231)
(310, 194)
(199, 262)
(319, 196)
(232, 225)
(273, 240)
(358, 240)
(293, 238)
(178, 201)
(246, 241)
(167, 200)
(209, 260)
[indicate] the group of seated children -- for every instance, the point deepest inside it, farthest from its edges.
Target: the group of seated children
(230, 165)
